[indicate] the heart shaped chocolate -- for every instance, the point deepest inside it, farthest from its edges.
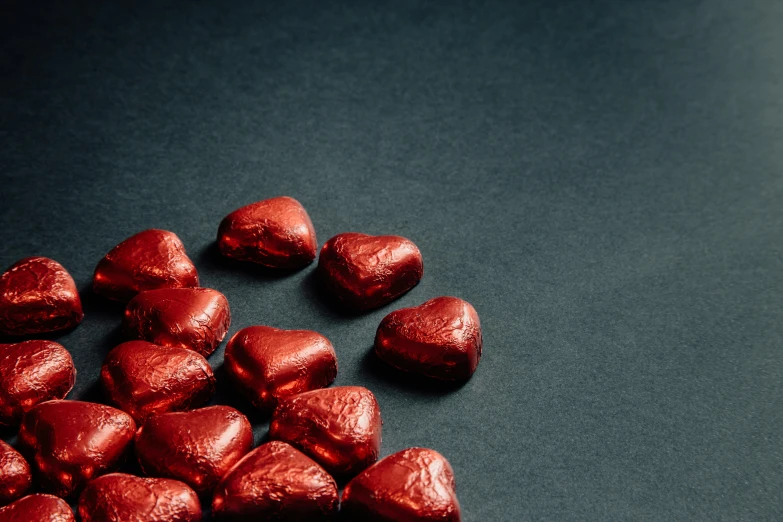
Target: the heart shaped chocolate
(197, 447)
(366, 272)
(15, 475)
(276, 482)
(144, 379)
(340, 428)
(38, 295)
(118, 497)
(72, 442)
(32, 372)
(266, 363)
(440, 339)
(37, 508)
(416, 484)
(276, 233)
(148, 260)
(195, 318)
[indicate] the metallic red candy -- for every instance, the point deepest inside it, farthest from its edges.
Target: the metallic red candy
(38, 295)
(197, 447)
(148, 260)
(37, 508)
(366, 272)
(72, 442)
(440, 339)
(15, 475)
(118, 497)
(32, 372)
(276, 482)
(195, 318)
(414, 485)
(266, 363)
(144, 379)
(276, 232)
(340, 428)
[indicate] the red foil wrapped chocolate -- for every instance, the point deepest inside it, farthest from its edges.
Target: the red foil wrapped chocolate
(267, 363)
(118, 497)
(72, 442)
(38, 295)
(365, 272)
(276, 233)
(144, 379)
(197, 447)
(440, 339)
(195, 318)
(15, 474)
(414, 485)
(32, 372)
(340, 428)
(148, 260)
(276, 482)
(37, 508)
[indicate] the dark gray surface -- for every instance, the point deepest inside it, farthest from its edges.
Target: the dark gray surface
(602, 180)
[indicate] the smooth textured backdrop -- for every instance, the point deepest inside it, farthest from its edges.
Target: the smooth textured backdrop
(602, 180)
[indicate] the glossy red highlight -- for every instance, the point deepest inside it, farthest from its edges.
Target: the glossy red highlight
(37, 508)
(15, 474)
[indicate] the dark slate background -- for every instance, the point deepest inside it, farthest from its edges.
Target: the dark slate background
(602, 180)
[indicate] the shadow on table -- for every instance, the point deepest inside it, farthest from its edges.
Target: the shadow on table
(409, 382)
(211, 259)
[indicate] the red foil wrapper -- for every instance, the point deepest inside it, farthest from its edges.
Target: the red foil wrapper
(72, 442)
(414, 485)
(144, 379)
(276, 233)
(266, 363)
(276, 482)
(32, 372)
(149, 260)
(195, 318)
(15, 474)
(38, 295)
(118, 497)
(37, 508)
(197, 447)
(365, 272)
(340, 428)
(440, 339)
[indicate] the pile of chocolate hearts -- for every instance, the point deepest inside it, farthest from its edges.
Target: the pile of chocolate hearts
(157, 383)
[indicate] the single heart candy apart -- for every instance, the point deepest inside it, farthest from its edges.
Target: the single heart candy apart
(276, 233)
(276, 482)
(195, 318)
(38, 295)
(37, 508)
(118, 497)
(15, 474)
(32, 372)
(144, 379)
(414, 485)
(72, 442)
(366, 272)
(267, 363)
(440, 339)
(148, 260)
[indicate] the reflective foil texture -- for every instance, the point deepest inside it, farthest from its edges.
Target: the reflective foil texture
(143, 379)
(118, 497)
(195, 318)
(32, 372)
(37, 508)
(15, 474)
(414, 485)
(440, 339)
(340, 428)
(276, 233)
(149, 260)
(276, 482)
(72, 442)
(365, 272)
(266, 363)
(38, 295)
(197, 447)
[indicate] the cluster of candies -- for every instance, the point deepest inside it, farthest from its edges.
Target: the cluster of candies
(157, 382)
